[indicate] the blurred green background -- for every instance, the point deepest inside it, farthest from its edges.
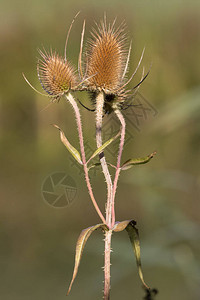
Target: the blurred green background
(38, 240)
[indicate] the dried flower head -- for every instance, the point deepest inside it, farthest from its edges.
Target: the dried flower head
(106, 64)
(106, 58)
(56, 75)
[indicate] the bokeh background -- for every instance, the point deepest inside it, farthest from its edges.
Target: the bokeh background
(37, 239)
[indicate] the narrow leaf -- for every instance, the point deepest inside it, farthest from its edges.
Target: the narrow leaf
(135, 241)
(137, 161)
(106, 144)
(67, 144)
(129, 225)
(82, 239)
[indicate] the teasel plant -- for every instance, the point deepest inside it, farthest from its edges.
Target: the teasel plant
(102, 72)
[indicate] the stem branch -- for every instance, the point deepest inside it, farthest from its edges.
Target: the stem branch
(121, 145)
(99, 116)
(80, 133)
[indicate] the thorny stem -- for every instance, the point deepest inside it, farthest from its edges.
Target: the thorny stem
(108, 234)
(118, 169)
(111, 209)
(99, 116)
(80, 133)
(111, 188)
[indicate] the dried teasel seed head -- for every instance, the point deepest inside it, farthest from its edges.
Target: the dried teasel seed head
(106, 58)
(56, 75)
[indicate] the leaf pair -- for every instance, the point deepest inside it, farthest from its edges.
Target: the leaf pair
(75, 153)
(129, 225)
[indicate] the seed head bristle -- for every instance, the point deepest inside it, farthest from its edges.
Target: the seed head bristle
(56, 75)
(106, 57)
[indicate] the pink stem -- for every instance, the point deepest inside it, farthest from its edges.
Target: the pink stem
(118, 169)
(80, 132)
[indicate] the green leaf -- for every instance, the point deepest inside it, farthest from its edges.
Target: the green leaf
(82, 239)
(129, 225)
(137, 161)
(67, 144)
(106, 144)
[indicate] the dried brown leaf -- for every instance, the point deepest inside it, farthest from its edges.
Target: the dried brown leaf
(129, 225)
(82, 239)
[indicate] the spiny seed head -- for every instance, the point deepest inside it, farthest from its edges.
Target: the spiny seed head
(56, 75)
(106, 58)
